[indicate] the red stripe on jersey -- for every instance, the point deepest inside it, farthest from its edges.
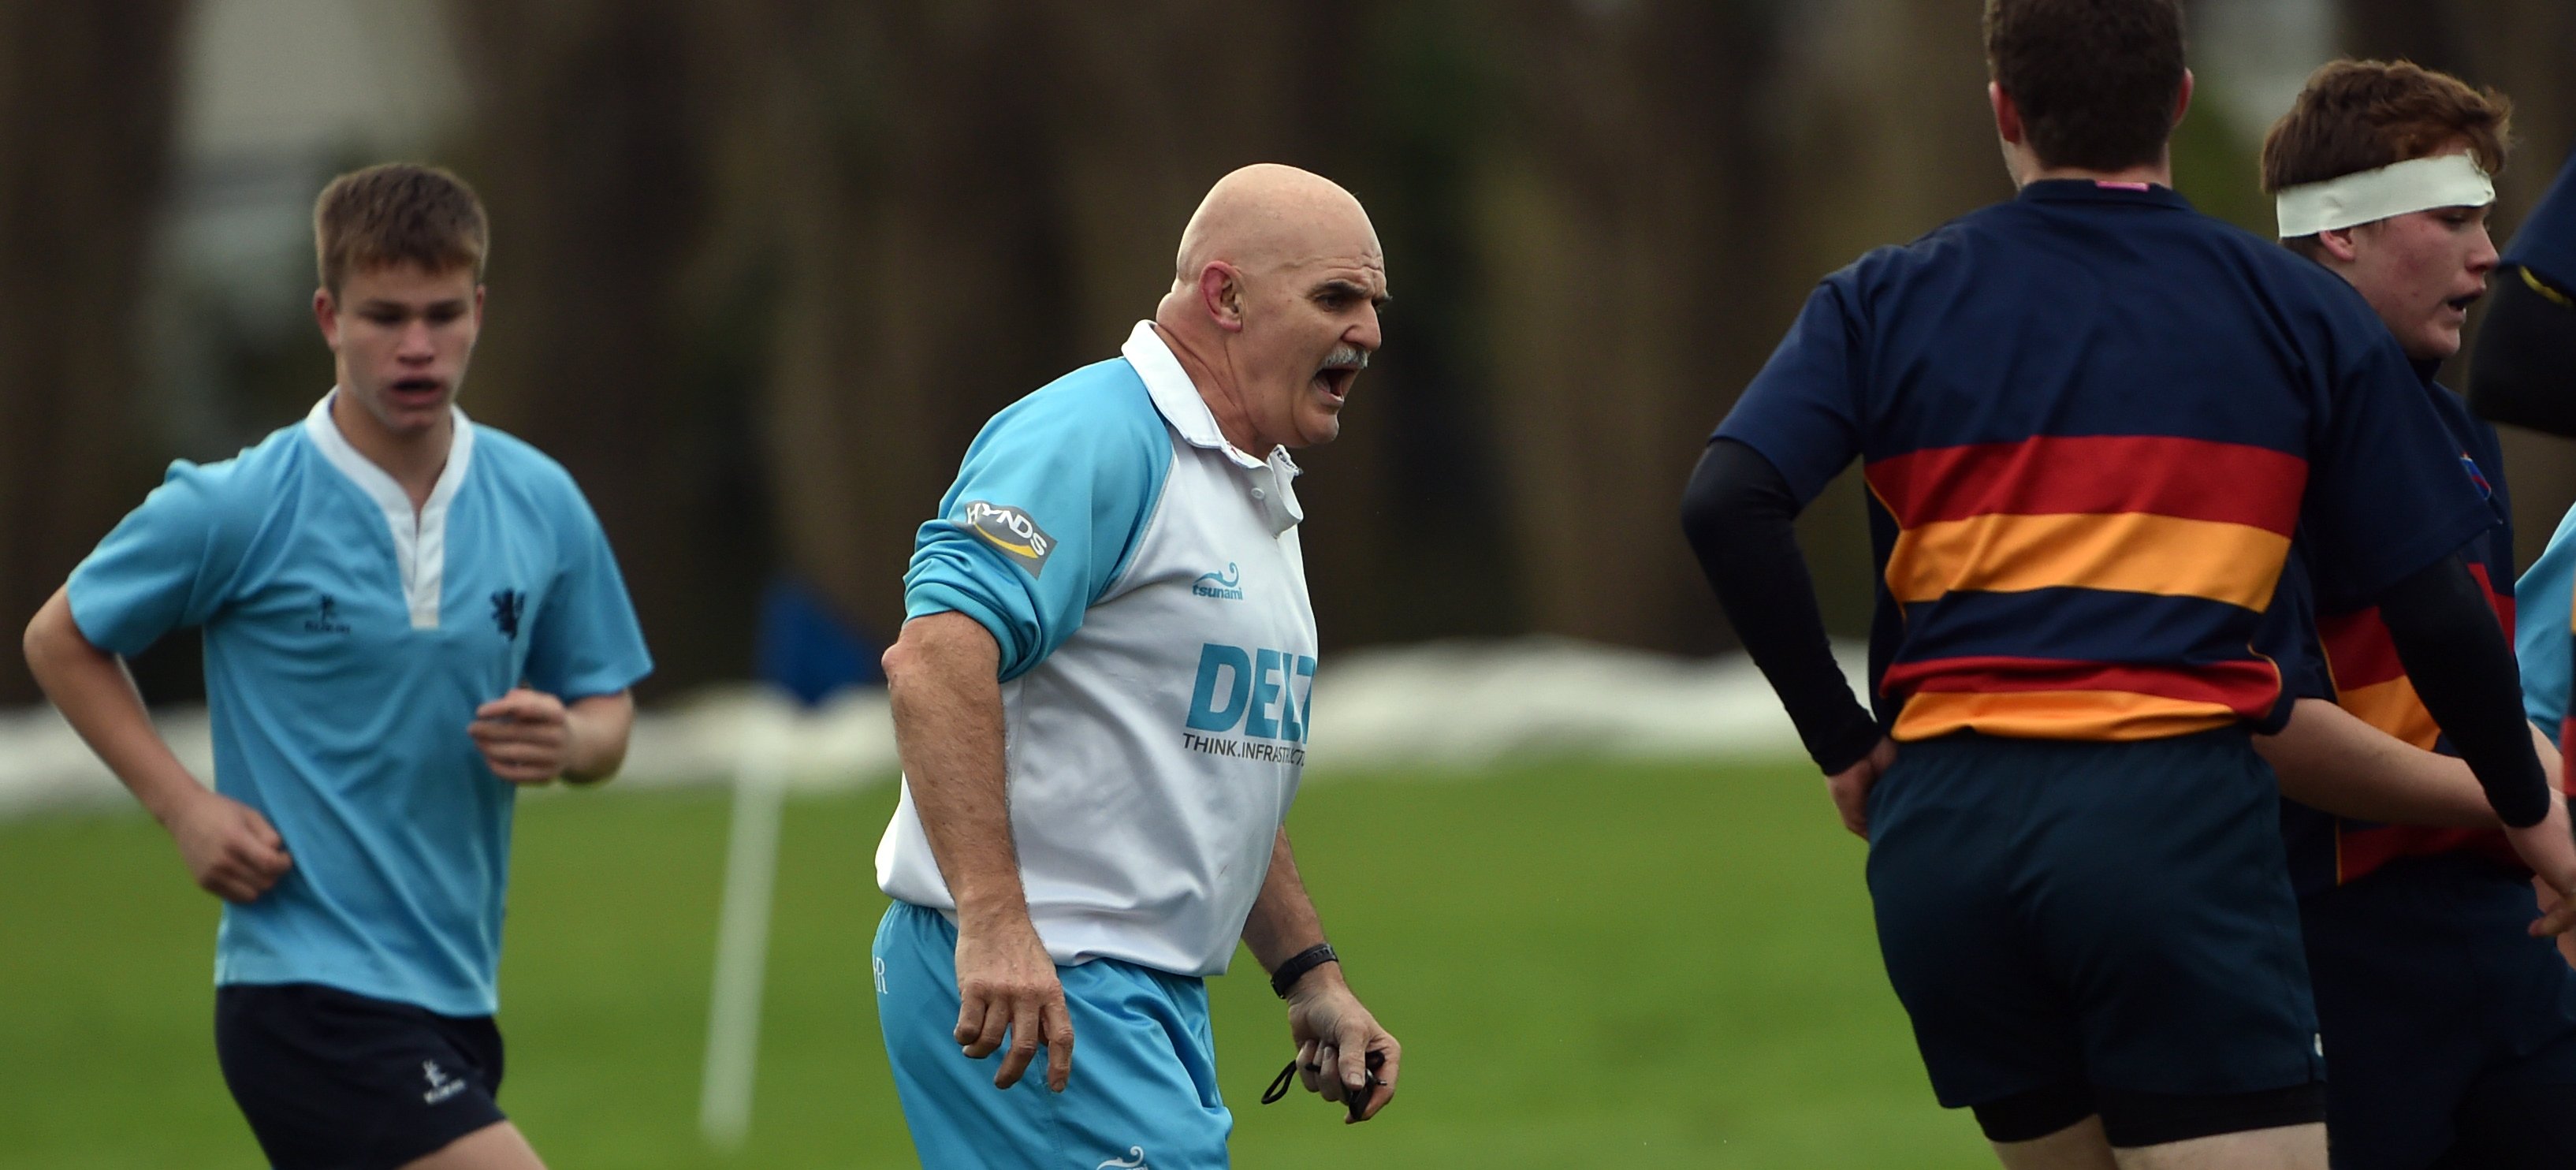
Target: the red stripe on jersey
(2361, 851)
(2193, 479)
(2247, 688)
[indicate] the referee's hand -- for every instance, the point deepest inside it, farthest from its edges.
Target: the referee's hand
(1006, 985)
(1335, 1036)
(1850, 787)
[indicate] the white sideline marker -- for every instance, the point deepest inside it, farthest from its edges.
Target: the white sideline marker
(742, 933)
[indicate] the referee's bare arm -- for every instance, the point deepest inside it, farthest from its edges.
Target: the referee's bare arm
(231, 850)
(1333, 1031)
(943, 676)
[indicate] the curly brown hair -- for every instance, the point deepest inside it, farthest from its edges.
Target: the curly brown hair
(398, 213)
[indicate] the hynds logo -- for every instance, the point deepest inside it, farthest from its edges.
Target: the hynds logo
(1253, 693)
(1012, 531)
(1135, 1160)
(1226, 586)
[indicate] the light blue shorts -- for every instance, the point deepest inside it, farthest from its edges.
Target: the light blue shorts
(1143, 1091)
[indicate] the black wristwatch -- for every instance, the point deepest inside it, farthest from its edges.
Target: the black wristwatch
(1298, 964)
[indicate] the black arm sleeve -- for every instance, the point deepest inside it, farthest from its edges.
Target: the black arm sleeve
(2525, 372)
(2463, 670)
(1737, 513)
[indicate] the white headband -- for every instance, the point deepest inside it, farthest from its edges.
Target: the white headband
(2421, 184)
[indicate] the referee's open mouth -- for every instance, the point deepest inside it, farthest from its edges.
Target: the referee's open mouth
(1335, 376)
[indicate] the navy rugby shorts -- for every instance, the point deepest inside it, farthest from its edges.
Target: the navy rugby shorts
(2108, 915)
(328, 1078)
(2435, 1000)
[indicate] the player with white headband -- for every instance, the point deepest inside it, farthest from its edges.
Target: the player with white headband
(2449, 1032)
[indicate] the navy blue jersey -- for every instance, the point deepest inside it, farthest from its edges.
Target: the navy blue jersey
(2356, 665)
(2091, 420)
(2546, 242)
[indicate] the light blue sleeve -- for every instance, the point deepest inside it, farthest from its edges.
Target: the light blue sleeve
(585, 640)
(1045, 513)
(2541, 636)
(169, 564)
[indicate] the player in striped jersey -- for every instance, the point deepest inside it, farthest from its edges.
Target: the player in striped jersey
(2450, 1033)
(2091, 422)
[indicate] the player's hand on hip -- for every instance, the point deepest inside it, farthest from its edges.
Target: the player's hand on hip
(525, 736)
(1007, 989)
(2550, 850)
(231, 850)
(1850, 787)
(1335, 1036)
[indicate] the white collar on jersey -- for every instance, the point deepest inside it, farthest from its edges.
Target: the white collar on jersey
(1178, 398)
(420, 541)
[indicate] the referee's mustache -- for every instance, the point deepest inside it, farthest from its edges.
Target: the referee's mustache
(1347, 357)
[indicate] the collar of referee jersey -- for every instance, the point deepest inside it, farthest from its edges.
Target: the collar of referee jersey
(1178, 398)
(2101, 191)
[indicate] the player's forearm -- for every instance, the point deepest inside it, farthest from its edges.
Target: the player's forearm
(2329, 759)
(1283, 920)
(1737, 513)
(941, 678)
(596, 731)
(2447, 639)
(90, 687)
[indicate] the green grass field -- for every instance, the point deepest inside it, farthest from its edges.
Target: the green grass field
(1590, 965)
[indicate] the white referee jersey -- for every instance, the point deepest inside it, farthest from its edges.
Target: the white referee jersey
(1143, 580)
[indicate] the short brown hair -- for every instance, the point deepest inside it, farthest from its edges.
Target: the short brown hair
(2096, 80)
(2359, 116)
(398, 213)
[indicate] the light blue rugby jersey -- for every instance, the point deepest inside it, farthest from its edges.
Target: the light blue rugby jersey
(2544, 630)
(346, 650)
(1144, 582)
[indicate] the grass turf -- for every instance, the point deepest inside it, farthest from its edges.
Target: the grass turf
(1589, 964)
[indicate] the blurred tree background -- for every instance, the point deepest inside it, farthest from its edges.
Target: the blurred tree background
(762, 267)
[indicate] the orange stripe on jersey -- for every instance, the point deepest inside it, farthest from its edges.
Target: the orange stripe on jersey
(2089, 715)
(2392, 707)
(2130, 552)
(2193, 479)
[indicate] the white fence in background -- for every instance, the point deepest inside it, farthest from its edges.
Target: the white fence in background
(1441, 705)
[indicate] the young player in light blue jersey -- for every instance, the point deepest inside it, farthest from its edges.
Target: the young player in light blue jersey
(406, 616)
(1101, 696)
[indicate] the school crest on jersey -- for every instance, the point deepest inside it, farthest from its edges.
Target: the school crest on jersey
(507, 607)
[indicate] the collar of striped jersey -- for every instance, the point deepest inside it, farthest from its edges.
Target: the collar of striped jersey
(1178, 398)
(420, 540)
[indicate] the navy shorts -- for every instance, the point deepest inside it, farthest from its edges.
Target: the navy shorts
(2113, 916)
(331, 1079)
(2434, 999)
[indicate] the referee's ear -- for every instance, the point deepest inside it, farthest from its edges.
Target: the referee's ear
(1221, 294)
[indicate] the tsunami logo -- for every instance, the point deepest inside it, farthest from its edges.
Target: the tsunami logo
(1012, 531)
(1225, 586)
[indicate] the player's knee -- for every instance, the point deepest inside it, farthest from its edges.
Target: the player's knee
(2131, 1119)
